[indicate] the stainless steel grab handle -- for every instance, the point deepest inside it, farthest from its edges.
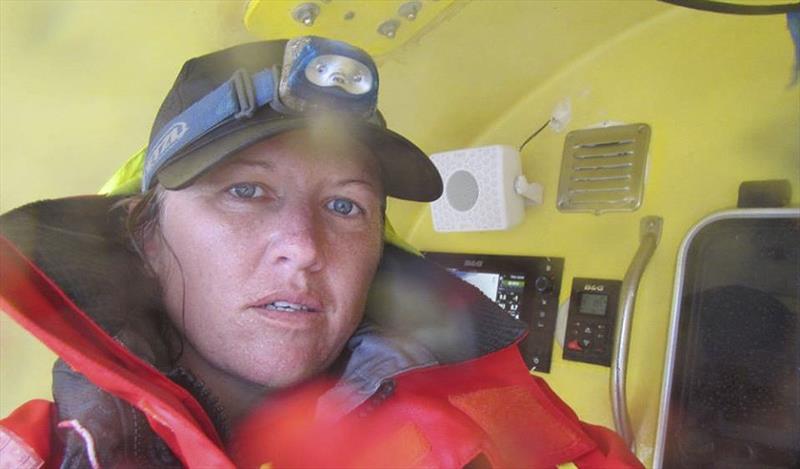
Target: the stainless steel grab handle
(650, 233)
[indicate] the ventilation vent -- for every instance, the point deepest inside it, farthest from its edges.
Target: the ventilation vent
(603, 169)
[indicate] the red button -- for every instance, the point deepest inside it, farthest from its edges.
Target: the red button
(574, 345)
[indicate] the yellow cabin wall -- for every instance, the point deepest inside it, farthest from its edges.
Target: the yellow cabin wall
(714, 89)
(464, 75)
(81, 81)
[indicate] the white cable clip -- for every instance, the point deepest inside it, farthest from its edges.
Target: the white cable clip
(532, 192)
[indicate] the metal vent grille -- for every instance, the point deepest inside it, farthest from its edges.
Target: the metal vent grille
(603, 169)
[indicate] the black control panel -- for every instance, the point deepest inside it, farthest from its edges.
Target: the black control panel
(525, 287)
(590, 323)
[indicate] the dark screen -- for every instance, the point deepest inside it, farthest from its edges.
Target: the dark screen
(592, 303)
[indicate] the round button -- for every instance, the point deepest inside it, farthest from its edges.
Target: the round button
(543, 284)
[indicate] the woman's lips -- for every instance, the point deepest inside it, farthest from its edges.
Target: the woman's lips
(291, 312)
(289, 303)
(288, 307)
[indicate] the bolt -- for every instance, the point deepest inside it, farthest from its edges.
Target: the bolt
(389, 28)
(306, 13)
(410, 10)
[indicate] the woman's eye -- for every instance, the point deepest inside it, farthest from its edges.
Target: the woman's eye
(246, 190)
(344, 207)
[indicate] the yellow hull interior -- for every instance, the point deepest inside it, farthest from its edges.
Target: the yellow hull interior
(81, 82)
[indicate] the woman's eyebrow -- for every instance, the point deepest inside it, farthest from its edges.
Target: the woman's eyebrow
(343, 182)
(360, 182)
(266, 165)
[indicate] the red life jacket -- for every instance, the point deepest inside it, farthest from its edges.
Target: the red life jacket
(442, 416)
(35, 302)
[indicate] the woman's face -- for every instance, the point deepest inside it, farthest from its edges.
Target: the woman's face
(265, 262)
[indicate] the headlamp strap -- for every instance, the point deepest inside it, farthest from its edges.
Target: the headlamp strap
(237, 98)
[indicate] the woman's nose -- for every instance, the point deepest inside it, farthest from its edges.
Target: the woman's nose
(297, 242)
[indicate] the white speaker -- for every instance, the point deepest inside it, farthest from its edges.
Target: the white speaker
(482, 188)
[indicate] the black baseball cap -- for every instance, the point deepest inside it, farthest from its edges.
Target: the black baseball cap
(228, 100)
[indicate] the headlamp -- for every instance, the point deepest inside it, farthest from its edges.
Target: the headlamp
(325, 75)
(344, 72)
(316, 75)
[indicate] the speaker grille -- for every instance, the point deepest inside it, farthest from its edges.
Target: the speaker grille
(462, 190)
(603, 169)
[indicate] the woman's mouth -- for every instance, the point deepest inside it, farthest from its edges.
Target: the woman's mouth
(289, 302)
(287, 306)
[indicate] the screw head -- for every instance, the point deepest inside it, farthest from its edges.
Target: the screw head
(410, 10)
(389, 28)
(306, 13)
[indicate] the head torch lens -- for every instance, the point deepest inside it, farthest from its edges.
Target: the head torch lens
(337, 70)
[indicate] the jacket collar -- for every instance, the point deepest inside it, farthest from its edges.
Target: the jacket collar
(418, 315)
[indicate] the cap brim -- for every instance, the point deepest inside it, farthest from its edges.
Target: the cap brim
(407, 171)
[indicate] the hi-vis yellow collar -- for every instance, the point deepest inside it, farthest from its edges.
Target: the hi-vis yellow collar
(128, 181)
